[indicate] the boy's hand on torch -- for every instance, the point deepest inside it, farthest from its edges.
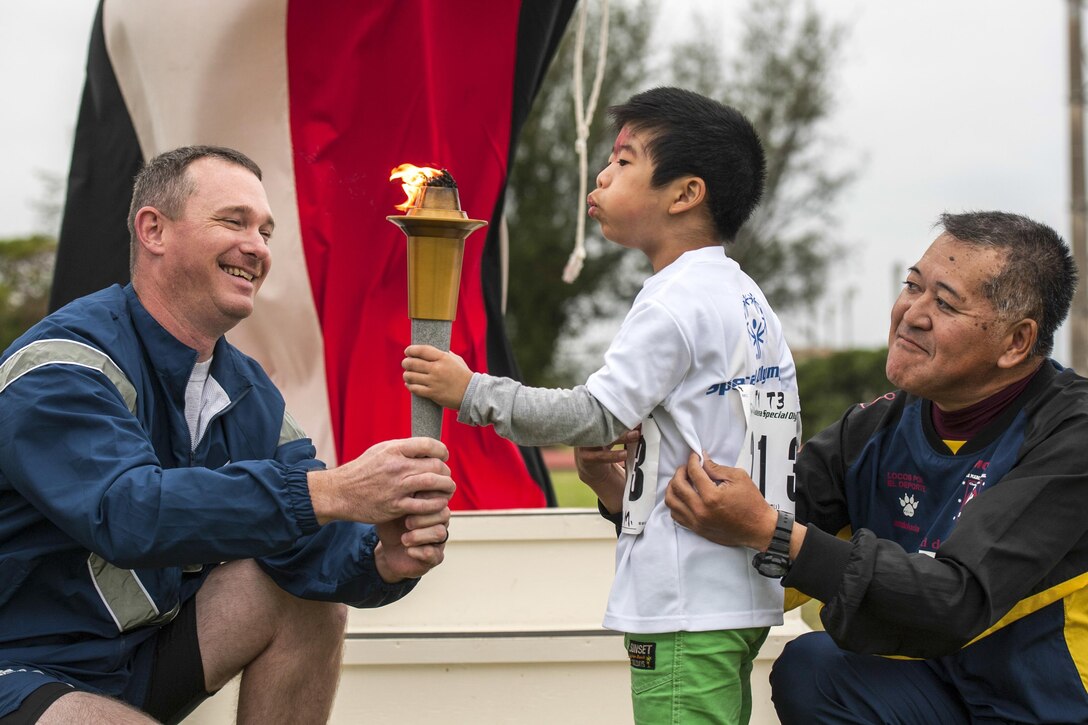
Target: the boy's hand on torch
(439, 376)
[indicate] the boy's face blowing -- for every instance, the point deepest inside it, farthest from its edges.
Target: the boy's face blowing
(629, 209)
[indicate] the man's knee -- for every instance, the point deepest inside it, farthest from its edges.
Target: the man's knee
(242, 614)
(243, 585)
(328, 618)
(302, 620)
(795, 675)
(815, 681)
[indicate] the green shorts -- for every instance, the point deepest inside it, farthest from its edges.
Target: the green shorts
(692, 678)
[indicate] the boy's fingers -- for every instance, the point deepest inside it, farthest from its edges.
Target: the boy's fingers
(423, 352)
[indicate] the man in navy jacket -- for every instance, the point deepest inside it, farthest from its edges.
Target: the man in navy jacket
(943, 522)
(164, 524)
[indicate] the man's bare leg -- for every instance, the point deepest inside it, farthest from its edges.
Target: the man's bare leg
(83, 707)
(290, 649)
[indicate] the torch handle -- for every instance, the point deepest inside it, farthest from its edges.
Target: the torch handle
(426, 414)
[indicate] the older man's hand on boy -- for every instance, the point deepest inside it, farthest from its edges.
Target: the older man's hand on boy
(721, 504)
(439, 376)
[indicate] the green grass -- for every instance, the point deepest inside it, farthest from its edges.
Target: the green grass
(572, 493)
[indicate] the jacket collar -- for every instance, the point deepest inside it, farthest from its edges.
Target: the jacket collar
(173, 360)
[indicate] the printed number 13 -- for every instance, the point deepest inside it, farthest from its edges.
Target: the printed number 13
(761, 464)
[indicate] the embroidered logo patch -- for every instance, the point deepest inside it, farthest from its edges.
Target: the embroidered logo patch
(642, 654)
(973, 484)
(756, 322)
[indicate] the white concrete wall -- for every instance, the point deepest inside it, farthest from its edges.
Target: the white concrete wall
(507, 630)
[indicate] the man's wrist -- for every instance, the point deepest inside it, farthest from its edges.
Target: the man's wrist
(768, 525)
(321, 495)
(775, 560)
(381, 565)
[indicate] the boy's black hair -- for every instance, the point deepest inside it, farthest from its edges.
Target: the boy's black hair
(692, 134)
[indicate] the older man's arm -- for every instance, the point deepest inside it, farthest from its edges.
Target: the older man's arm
(1021, 537)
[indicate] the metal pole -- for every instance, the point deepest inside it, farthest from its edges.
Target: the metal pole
(1078, 317)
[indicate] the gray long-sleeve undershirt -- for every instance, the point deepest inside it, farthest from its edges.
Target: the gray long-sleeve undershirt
(538, 416)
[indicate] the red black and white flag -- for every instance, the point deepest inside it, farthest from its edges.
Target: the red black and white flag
(327, 97)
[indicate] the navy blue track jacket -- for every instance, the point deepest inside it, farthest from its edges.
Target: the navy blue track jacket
(108, 519)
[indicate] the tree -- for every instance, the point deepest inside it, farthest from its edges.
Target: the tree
(780, 78)
(26, 272)
(829, 384)
(543, 200)
(49, 206)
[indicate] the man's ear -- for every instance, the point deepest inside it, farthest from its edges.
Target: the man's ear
(1019, 342)
(149, 225)
(688, 193)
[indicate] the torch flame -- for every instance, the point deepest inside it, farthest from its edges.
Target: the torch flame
(413, 179)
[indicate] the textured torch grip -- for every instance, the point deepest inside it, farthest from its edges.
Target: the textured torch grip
(426, 414)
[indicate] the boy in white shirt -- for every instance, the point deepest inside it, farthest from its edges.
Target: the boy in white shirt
(699, 364)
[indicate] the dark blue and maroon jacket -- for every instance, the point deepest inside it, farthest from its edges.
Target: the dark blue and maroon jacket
(976, 561)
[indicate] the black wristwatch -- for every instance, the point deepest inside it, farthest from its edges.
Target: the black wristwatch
(775, 562)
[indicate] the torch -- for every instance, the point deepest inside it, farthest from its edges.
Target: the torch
(436, 229)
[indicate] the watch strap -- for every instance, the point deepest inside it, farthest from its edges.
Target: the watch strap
(783, 530)
(775, 562)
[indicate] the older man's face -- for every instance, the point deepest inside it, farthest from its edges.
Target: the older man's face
(946, 337)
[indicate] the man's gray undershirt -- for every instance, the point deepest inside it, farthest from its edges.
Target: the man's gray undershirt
(538, 416)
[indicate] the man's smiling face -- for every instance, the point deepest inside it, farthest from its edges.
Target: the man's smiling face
(217, 252)
(946, 337)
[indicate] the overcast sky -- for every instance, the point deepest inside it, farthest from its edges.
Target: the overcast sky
(942, 105)
(954, 105)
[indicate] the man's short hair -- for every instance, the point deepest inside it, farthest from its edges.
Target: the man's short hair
(162, 183)
(1039, 276)
(691, 134)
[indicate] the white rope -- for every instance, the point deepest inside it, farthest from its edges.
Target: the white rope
(583, 117)
(504, 261)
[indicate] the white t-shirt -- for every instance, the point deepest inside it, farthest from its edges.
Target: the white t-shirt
(698, 330)
(204, 398)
